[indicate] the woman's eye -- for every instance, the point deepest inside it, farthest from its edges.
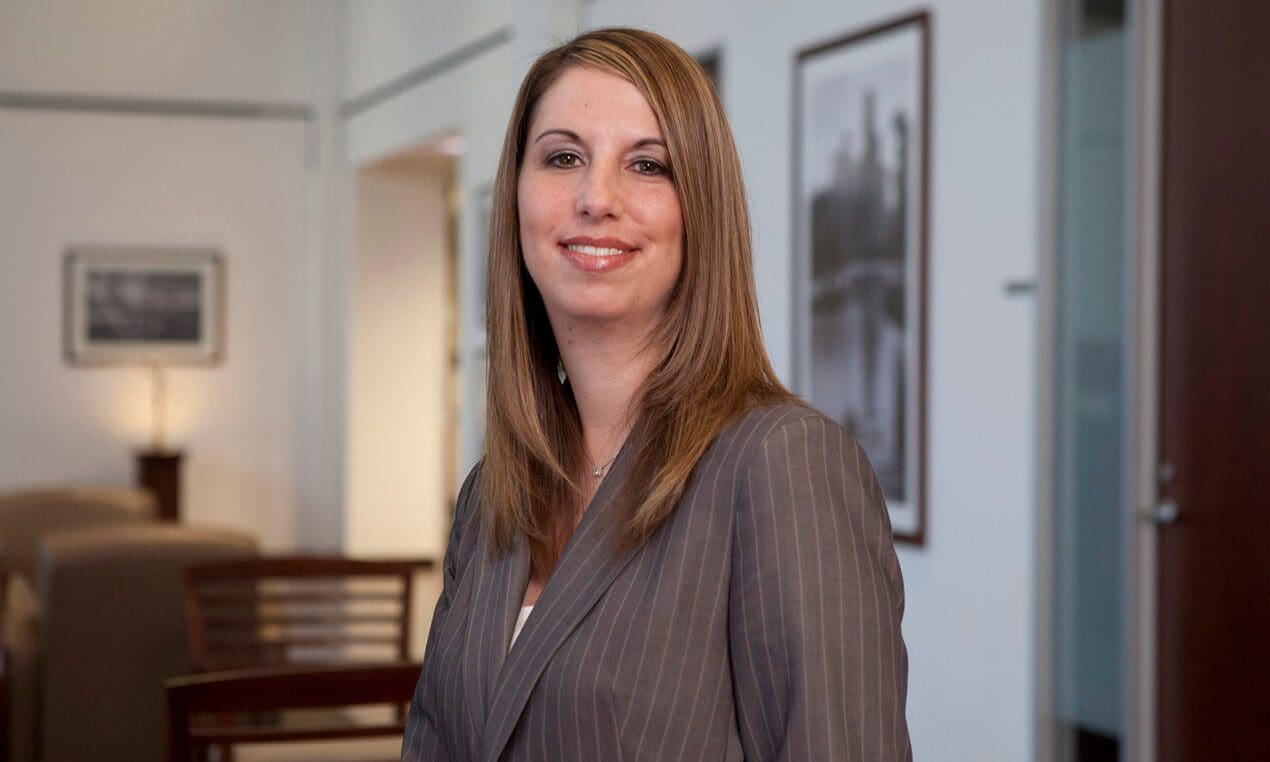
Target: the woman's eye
(649, 167)
(564, 160)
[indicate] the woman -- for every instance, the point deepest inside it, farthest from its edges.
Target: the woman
(663, 555)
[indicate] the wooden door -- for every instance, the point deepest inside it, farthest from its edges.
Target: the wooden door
(1213, 627)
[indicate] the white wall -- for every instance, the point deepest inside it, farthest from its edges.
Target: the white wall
(244, 186)
(388, 38)
(400, 405)
(239, 50)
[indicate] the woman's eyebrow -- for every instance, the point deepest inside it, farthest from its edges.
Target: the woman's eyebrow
(570, 134)
(649, 142)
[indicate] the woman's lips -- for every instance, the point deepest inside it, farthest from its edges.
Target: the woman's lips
(598, 256)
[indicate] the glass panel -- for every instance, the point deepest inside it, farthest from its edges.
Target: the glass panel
(1092, 350)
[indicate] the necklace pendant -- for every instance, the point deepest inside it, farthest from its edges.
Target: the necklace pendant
(597, 471)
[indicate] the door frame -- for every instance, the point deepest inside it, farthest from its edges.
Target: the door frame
(1144, 386)
(1045, 731)
(1147, 116)
(1145, 18)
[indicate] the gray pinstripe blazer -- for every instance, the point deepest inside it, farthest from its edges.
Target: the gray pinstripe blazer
(760, 622)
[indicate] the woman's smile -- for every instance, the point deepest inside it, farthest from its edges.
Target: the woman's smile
(597, 255)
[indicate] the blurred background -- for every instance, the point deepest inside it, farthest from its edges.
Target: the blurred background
(1091, 581)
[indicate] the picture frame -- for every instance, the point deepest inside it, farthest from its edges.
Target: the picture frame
(711, 62)
(483, 201)
(129, 305)
(861, 156)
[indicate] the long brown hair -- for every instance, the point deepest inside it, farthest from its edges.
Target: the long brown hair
(713, 365)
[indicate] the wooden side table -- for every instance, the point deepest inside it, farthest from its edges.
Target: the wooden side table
(160, 472)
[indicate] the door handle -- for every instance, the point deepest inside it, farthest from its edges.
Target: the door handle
(1162, 513)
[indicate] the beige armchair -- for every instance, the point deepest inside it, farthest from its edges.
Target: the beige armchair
(110, 629)
(26, 516)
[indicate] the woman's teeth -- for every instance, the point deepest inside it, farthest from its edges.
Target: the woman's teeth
(595, 251)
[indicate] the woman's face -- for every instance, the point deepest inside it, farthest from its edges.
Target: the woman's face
(600, 224)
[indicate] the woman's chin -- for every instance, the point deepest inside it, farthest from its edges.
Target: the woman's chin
(600, 317)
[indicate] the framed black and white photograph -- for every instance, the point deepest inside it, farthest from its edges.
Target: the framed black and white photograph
(860, 186)
(143, 306)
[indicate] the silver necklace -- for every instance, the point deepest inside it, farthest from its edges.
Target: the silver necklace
(600, 469)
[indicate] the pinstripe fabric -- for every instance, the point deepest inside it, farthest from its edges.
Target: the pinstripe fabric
(761, 622)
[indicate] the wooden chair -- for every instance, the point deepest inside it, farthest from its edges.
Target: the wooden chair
(294, 610)
(270, 690)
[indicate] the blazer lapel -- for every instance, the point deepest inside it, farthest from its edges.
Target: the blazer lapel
(585, 571)
(495, 604)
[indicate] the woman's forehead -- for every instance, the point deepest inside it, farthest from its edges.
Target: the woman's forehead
(587, 101)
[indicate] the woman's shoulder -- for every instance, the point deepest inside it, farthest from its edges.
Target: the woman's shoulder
(792, 428)
(799, 462)
(764, 423)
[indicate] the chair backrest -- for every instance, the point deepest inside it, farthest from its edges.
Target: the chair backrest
(28, 516)
(297, 609)
(112, 630)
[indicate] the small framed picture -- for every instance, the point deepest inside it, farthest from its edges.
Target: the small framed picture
(143, 306)
(860, 187)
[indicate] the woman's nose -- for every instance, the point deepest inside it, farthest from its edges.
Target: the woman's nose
(599, 194)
